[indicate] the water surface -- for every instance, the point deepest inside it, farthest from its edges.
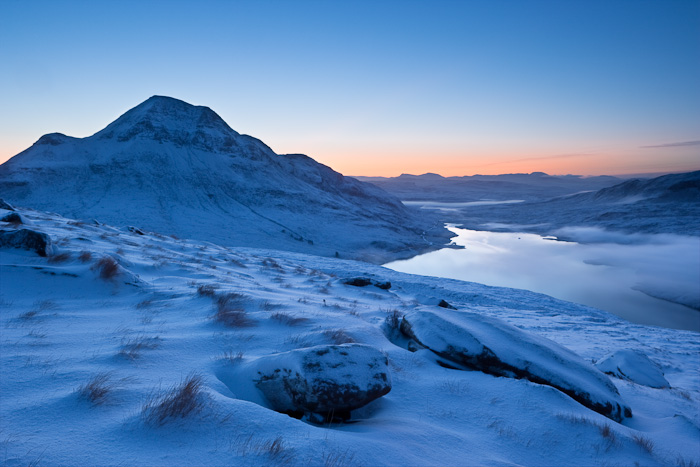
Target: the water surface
(619, 278)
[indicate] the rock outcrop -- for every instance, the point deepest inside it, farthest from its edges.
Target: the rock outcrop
(633, 366)
(26, 239)
(466, 340)
(323, 383)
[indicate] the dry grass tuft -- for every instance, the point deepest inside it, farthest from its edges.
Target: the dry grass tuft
(338, 336)
(97, 390)
(270, 306)
(131, 347)
(270, 263)
(274, 449)
(107, 267)
(230, 310)
(207, 290)
(393, 319)
(289, 320)
(337, 458)
(85, 257)
(59, 258)
(645, 443)
(177, 402)
(232, 357)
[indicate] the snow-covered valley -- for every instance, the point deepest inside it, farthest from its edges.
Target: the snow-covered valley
(122, 347)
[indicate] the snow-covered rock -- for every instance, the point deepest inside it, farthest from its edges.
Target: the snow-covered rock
(174, 168)
(633, 365)
(486, 344)
(323, 382)
(12, 218)
(365, 281)
(5, 205)
(26, 239)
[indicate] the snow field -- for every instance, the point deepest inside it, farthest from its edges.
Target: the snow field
(131, 339)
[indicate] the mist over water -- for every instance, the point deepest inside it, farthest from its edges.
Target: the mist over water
(646, 279)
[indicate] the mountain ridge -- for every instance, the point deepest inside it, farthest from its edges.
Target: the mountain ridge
(165, 163)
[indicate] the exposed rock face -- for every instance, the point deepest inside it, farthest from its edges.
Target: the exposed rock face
(26, 239)
(471, 341)
(323, 383)
(4, 205)
(444, 304)
(365, 281)
(633, 366)
(12, 218)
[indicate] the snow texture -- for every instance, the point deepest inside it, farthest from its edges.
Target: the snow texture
(84, 359)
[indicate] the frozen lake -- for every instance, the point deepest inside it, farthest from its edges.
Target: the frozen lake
(622, 278)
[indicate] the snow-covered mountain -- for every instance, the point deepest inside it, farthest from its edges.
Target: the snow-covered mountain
(120, 348)
(179, 169)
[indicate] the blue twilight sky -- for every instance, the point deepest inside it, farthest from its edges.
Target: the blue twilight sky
(375, 87)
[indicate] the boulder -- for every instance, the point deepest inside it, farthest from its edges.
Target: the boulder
(323, 383)
(633, 366)
(466, 340)
(5, 205)
(26, 239)
(365, 281)
(135, 230)
(12, 218)
(444, 304)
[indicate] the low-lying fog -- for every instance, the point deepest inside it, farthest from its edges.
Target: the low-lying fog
(647, 279)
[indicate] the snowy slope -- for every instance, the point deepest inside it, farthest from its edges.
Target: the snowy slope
(174, 168)
(145, 329)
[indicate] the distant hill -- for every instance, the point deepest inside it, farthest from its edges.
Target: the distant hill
(179, 169)
(666, 204)
(527, 187)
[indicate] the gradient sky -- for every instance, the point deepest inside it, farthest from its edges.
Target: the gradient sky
(375, 87)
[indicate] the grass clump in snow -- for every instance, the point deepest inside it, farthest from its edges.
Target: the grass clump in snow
(337, 458)
(230, 310)
(274, 449)
(85, 257)
(179, 401)
(270, 306)
(131, 347)
(232, 357)
(97, 390)
(59, 258)
(393, 319)
(39, 306)
(644, 443)
(269, 263)
(338, 336)
(107, 267)
(289, 320)
(207, 290)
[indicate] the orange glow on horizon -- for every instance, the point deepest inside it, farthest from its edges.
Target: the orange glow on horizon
(452, 163)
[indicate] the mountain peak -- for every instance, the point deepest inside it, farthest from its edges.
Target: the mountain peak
(166, 119)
